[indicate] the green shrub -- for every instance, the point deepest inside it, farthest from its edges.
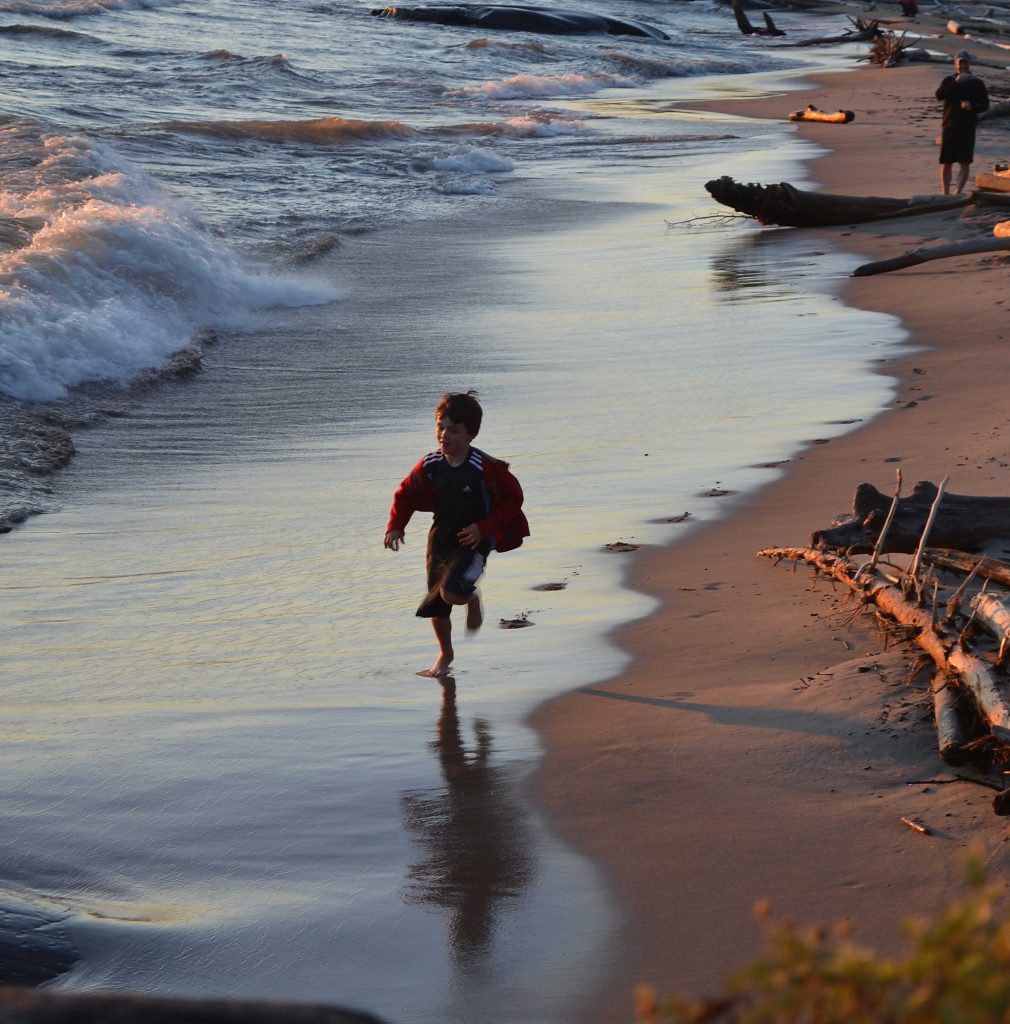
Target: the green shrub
(957, 972)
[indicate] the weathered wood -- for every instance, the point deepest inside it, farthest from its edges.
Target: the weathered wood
(913, 569)
(963, 521)
(915, 257)
(985, 197)
(985, 566)
(861, 32)
(990, 612)
(811, 113)
(1001, 109)
(977, 675)
(951, 734)
(743, 23)
(878, 547)
(987, 181)
(788, 206)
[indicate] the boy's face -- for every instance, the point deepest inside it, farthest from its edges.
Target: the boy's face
(453, 439)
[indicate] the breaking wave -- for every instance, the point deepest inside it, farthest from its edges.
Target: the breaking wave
(112, 277)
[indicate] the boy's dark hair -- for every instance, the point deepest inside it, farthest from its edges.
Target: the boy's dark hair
(461, 407)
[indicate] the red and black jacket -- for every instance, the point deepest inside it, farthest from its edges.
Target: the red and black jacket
(505, 523)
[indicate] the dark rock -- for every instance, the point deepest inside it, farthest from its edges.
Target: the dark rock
(32, 1006)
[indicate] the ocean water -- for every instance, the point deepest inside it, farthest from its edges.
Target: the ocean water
(245, 248)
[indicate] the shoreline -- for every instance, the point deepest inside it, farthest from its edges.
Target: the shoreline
(759, 746)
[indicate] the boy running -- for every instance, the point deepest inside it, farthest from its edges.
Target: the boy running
(477, 506)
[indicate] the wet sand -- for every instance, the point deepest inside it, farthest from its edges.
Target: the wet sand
(764, 744)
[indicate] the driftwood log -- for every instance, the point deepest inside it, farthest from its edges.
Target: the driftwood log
(963, 521)
(951, 735)
(914, 257)
(944, 647)
(989, 568)
(1000, 109)
(788, 206)
(743, 23)
(812, 113)
(861, 32)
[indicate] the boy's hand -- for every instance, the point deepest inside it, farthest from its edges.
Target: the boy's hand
(469, 536)
(393, 540)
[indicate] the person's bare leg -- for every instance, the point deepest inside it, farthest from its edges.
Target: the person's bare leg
(443, 634)
(962, 177)
(474, 614)
(945, 178)
(474, 610)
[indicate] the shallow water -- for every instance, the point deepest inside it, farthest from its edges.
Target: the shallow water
(220, 762)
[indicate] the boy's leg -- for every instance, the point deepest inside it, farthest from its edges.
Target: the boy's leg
(459, 587)
(474, 614)
(443, 635)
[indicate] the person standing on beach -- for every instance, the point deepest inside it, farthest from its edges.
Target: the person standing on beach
(964, 97)
(477, 506)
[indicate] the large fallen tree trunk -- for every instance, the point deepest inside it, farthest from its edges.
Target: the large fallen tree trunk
(789, 206)
(963, 521)
(940, 252)
(975, 673)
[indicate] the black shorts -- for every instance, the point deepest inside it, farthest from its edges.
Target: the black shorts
(457, 571)
(957, 145)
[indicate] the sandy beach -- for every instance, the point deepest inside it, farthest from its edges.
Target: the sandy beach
(764, 744)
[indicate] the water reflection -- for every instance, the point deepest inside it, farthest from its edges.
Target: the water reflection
(762, 266)
(473, 836)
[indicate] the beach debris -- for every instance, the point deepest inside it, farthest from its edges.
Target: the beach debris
(1001, 109)
(620, 545)
(519, 622)
(861, 32)
(950, 602)
(916, 827)
(743, 23)
(519, 18)
(812, 113)
(962, 522)
(560, 585)
(999, 243)
(787, 206)
(888, 48)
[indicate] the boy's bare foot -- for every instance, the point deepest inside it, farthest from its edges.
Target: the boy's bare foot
(437, 671)
(474, 614)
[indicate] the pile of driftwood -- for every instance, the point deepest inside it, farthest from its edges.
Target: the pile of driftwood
(951, 601)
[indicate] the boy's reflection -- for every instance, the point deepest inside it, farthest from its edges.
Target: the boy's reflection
(473, 836)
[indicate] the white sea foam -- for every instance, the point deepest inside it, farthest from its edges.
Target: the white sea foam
(526, 86)
(117, 275)
(473, 160)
